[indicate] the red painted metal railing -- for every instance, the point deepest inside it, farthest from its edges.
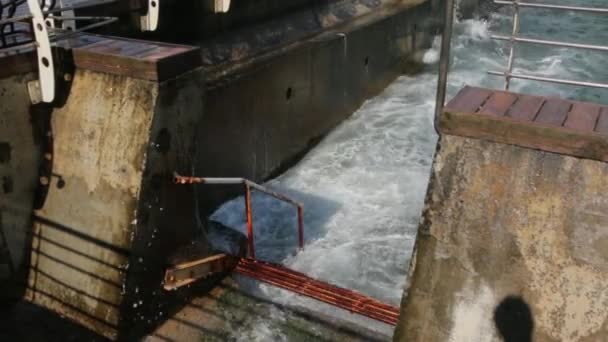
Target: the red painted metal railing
(275, 274)
(249, 185)
(302, 284)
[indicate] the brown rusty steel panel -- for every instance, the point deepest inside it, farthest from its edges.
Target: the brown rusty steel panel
(188, 272)
(554, 112)
(602, 122)
(526, 108)
(469, 99)
(583, 117)
(498, 104)
(576, 138)
(134, 58)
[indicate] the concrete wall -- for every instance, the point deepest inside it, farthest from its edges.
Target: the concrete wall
(263, 113)
(512, 246)
(112, 215)
(22, 143)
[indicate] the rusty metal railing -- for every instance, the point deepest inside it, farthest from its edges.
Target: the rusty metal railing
(249, 185)
(514, 38)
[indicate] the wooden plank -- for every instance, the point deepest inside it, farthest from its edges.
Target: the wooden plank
(469, 99)
(139, 59)
(602, 122)
(554, 112)
(572, 128)
(526, 108)
(498, 104)
(505, 130)
(583, 117)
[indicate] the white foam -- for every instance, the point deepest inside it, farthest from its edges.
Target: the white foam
(363, 186)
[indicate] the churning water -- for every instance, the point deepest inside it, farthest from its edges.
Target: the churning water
(363, 186)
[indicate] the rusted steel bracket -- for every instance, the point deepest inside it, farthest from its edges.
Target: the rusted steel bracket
(188, 272)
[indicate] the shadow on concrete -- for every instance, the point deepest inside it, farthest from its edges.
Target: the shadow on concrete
(230, 305)
(513, 319)
(28, 322)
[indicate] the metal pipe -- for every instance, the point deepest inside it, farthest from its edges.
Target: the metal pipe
(549, 79)
(249, 217)
(551, 43)
(444, 62)
(512, 47)
(300, 227)
(556, 7)
(249, 185)
(68, 34)
(178, 179)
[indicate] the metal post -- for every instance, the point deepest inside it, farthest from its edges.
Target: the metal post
(444, 61)
(300, 227)
(249, 221)
(512, 47)
(46, 69)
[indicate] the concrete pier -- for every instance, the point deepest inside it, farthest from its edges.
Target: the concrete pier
(112, 216)
(513, 241)
(99, 217)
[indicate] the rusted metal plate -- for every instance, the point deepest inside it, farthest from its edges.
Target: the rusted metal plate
(498, 104)
(153, 61)
(583, 117)
(602, 122)
(188, 272)
(469, 99)
(554, 112)
(526, 107)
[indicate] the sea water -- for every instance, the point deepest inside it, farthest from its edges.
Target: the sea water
(363, 186)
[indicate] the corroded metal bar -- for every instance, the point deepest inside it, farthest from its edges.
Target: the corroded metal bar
(249, 218)
(249, 185)
(188, 272)
(300, 226)
(302, 284)
(512, 45)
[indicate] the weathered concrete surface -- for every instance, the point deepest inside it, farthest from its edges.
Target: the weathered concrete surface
(264, 112)
(112, 215)
(21, 149)
(512, 238)
(226, 313)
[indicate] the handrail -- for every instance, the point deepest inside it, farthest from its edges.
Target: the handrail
(444, 62)
(515, 38)
(550, 6)
(178, 179)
